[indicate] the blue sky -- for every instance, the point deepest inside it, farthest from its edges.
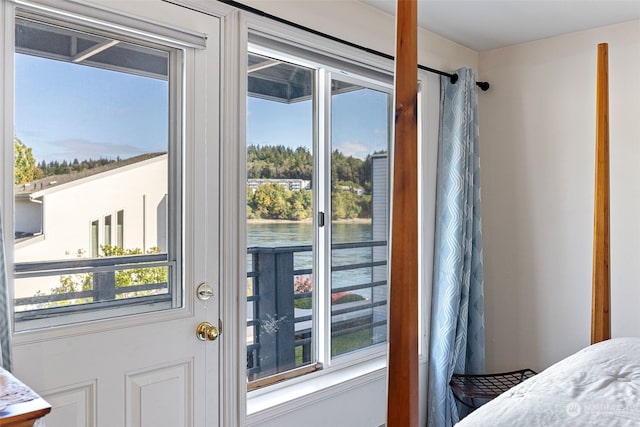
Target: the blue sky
(359, 123)
(64, 111)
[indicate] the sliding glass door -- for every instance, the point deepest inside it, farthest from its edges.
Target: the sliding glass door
(317, 214)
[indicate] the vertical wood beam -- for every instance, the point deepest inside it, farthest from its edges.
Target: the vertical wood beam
(402, 392)
(601, 290)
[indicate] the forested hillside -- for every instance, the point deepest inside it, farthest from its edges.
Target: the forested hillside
(350, 179)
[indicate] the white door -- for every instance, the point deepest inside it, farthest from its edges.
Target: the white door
(108, 256)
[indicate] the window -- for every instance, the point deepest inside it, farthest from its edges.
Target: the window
(317, 213)
(95, 245)
(360, 132)
(107, 230)
(94, 117)
(120, 229)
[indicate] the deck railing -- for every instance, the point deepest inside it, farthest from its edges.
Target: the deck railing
(103, 292)
(279, 334)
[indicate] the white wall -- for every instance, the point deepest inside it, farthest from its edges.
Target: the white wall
(70, 208)
(537, 137)
(361, 24)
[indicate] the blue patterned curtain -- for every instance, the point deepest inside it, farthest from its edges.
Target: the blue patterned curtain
(457, 314)
(5, 325)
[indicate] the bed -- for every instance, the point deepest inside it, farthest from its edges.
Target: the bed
(597, 386)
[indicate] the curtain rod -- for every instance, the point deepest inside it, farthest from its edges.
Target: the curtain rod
(452, 77)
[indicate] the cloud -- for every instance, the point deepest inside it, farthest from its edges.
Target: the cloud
(356, 149)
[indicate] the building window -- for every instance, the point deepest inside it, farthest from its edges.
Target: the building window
(120, 229)
(317, 213)
(95, 244)
(107, 230)
(97, 114)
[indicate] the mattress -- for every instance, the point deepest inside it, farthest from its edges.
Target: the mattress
(597, 386)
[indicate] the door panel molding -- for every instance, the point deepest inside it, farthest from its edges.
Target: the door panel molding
(160, 396)
(73, 405)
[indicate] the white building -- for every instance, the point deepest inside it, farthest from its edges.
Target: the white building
(66, 216)
(289, 184)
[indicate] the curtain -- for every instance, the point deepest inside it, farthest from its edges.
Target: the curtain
(5, 325)
(457, 314)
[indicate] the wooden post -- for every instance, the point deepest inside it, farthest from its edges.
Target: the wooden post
(402, 392)
(601, 291)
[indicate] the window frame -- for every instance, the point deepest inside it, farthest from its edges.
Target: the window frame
(379, 349)
(119, 313)
(269, 403)
(280, 48)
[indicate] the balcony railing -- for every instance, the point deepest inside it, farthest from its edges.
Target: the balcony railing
(103, 292)
(279, 334)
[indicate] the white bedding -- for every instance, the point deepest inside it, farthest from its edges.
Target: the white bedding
(598, 386)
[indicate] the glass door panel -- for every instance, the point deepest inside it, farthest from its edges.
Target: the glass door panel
(93, 124)
(279, 217)
(360, 129)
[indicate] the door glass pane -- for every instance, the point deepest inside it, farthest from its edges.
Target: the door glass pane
(279, 216)
(360, 131)
(92, 121)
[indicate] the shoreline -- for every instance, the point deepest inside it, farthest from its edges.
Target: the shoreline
(307, 221)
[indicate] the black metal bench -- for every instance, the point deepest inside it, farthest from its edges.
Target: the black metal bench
(475, 390)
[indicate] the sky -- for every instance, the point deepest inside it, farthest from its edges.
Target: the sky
(359, 123)
(65, 111)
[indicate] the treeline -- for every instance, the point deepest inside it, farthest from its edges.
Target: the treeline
(26, 169)
(274, 201)
(55, 167)
(280, 162)
(350, 178)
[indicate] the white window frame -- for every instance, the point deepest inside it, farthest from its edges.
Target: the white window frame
(267, 404)
(375, 351)
(322, 253)
(123, 27)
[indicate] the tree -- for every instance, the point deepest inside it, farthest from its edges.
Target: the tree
(299, 205)
(25, 167)
(271, 201)
(350, 178)
(123, 278)
(344, 205)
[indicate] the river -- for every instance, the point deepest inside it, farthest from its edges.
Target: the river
(278, 234)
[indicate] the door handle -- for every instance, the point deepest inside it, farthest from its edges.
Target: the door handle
(207, 332)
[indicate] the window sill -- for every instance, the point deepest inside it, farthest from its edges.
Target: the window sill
(263, 405)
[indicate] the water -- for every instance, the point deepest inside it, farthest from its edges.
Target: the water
(276, 234)
(279, 234)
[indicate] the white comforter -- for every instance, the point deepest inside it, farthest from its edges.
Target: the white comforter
(598, 386)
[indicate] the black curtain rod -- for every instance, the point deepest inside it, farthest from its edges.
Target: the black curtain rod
(452, 77)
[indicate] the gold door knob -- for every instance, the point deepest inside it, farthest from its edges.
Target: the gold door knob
(207, 332)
